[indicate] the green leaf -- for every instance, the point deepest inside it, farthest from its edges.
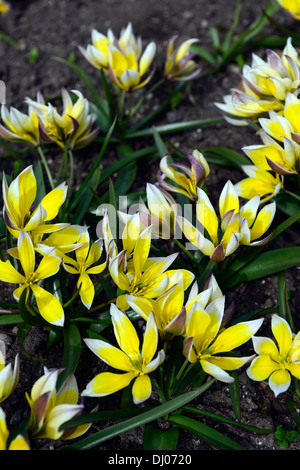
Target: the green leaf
(86, 198)
(40, 187)
(72, 351)
(225, 156)
(176, 127)
(160, 439)
(94, 168)
(205, 433)
(10, 319)
(263, 265)
(126, 161)
(162, 149)
(230, 422)
(143, 418)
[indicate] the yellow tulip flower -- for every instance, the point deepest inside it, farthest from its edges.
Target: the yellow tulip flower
(207, 343)
(168, 309)
(97, 53)
(127, 70)
(135, 363)
(270, 155)
(160, 212)
(22, 128)
(142, 276)
(18, 199)
(238, 225)
(265, 84)
(85, 265)
(292, 6)
(17, 443)
(73, 126)
(179, 63)
(48, 305)
(259, 182)
(51, 408)
(187, 179)
(9, 376)
(276, 362)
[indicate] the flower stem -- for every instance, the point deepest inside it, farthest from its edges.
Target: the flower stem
(50, 179)
(180, 245)
(292, 194)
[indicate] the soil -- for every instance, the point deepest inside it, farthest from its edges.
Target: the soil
(56, 28)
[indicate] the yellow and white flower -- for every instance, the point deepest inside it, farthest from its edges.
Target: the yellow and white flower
(265, 84)
(143, 276)
(179, 64)
(238, 225)
(22, 128)
(9, 375)
(136, 364)
(261, 183)
(276, 362)
(51, 408)
(73, 127)
(48, 305)
(19, 198)
(97, 53)
(85, 265)
(160, 212)
(187, 179)
(207, 343)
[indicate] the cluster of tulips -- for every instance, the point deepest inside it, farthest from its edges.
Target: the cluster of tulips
(169, 301)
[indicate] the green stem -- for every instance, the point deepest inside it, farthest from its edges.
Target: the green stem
(44, 161)
(206, 273)
(187, 252)
(71, 177)
(141, 100)
(292, 194)
(97, 307)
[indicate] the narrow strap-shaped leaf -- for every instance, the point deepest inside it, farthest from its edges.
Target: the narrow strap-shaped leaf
(223, 419)
(160, 439)
(265, 264)
(72, 351)
(205, 433)
(144, 418)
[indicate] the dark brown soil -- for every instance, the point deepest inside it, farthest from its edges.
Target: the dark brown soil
(56, 28)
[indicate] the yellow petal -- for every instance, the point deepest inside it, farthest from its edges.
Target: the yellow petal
(26, 253)
(110, 354)
(282, 332)
(19, 443)
(9, 274)
(150, 340)
(106, 383)
(263, 220)
(87, 290)
(54, 200)
(125, 333)
(236, 335)
(206, 215)
(48, 266)
(228, 199)
(141, 251)
(49, 306)
(141, 389)
(279, 381)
